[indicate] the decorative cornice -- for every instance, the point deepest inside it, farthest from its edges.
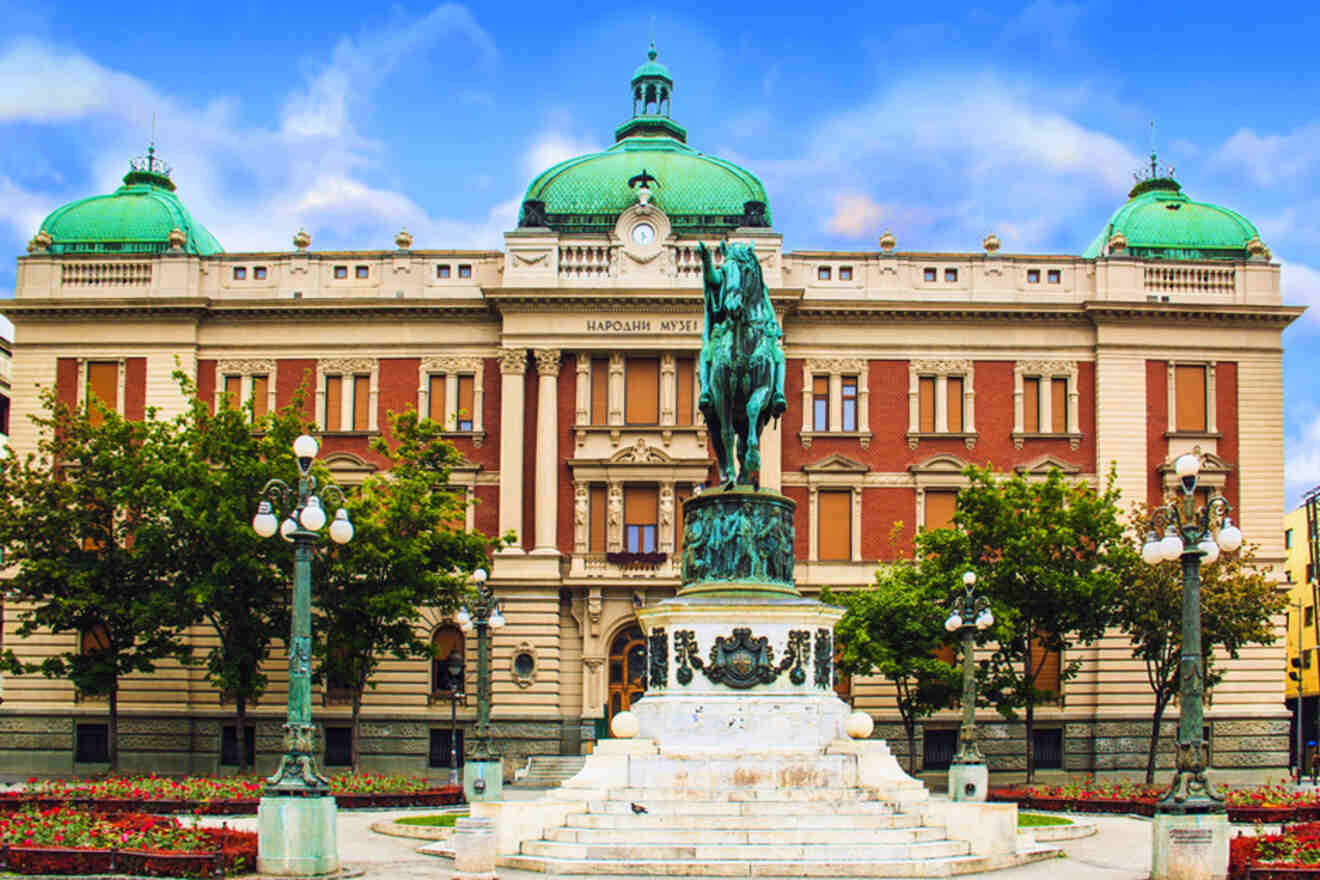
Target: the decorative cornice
(345, 365)
(835, 365)
(941, 367)
(513, 360)
(245, 366)
(451, 364)
(641, 453)
(547, 361)
(1046, 368)
(943, 463)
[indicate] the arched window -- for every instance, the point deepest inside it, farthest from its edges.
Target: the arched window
(447, 640)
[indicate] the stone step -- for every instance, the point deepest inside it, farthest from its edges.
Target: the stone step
(745, 852)
(627, 822)
(705, 835)
(744, 795)
(877, 869)
(741, 808)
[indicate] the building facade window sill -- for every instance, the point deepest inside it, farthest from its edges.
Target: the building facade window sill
(914, 438)
(477, 437)
(1192, 435)
(1020, 437)
(863, 437)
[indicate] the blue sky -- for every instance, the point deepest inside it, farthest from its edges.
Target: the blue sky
(939, 120)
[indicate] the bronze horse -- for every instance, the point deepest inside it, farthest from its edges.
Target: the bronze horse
(742, 363)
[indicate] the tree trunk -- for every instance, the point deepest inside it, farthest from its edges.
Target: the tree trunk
(357, 729)
(910, 727)
(113, 735)
(241, 734)
(1161, 703)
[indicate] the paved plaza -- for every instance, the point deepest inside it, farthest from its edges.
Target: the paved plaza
(1120, 850)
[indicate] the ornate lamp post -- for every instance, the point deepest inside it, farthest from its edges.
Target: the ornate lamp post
(296, 822)
(968, 775)
(1191, 815)
(454, 666)
(483, 771)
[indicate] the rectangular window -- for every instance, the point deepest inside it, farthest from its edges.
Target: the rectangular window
(466, 402)
(596, 527)
(955, 402)
(1047, 749)
(259, 273)
(929, 273)
(435, 399)
(849, 403)
(1190, 408)
(260, 396)
(940, 507)
(950, 274)
(845, 273)
(465, 271)
(341, 271)
(937, 748)
(600, 384)
(1310, 572)
(1033, 276)
(1053, 276)
(820, 403)
(1308, 616)
(1287, 539)
(1046, 665)
(363, 271)
(640, 518)
(442, 271)
(685, 368)
(334, 402)
(823, 273)
(642, 401)
(233, 391)
(361, 402)
(103, 384)
(926, 402)
(445, 746)
(834, 526)
(1059, 406)
(229, 745)
(338, 746)
(1306, 659)
(1031, 405)
(240, 273)
(92, 743)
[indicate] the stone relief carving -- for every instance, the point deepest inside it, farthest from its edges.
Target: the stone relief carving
(245, 366)
(451, 364)
(547, 361)
(345, 365)
(513, 360)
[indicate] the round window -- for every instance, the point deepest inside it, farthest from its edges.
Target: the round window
(523, 664)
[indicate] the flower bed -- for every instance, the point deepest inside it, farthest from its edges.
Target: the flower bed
(1273, 804)
(224, 795)
(1292, 854)
(65, 840)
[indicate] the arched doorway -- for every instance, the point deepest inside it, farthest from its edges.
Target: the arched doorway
(627, 671)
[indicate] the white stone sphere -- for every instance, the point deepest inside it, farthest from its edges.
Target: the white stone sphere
(625, 725)
(859, 725)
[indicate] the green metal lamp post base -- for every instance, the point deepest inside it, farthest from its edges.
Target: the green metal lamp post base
(296, 836)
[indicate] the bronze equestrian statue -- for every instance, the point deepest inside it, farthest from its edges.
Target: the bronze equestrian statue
(742, 362)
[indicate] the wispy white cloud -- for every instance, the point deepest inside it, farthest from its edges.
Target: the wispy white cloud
(1270, 160)
(252, 182)
(1300, 285)
(1301, 467)
(554, 146)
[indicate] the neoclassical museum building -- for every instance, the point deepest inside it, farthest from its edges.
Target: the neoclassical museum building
(562, 366)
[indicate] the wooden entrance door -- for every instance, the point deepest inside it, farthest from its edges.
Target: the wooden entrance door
(627, 670)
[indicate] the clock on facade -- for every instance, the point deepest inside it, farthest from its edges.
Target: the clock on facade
(643, 234)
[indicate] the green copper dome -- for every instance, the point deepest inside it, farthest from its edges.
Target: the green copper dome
(649, 161)
(1159, 222)
(137, 218)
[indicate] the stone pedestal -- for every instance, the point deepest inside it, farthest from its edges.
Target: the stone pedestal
(296, 836)
(474, 849)
(1189, 847)
(968, 782)
(491, 776)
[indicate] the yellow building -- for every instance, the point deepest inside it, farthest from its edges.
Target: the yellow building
(1302, 601)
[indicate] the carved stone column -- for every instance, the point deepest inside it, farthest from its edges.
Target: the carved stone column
(513, 366)
(547, 452)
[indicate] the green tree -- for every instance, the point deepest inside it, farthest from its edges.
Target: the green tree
(894, 628)
(83, 520)
(1047, 555)
(1238, 602)
(407, 554)
(236, 582)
